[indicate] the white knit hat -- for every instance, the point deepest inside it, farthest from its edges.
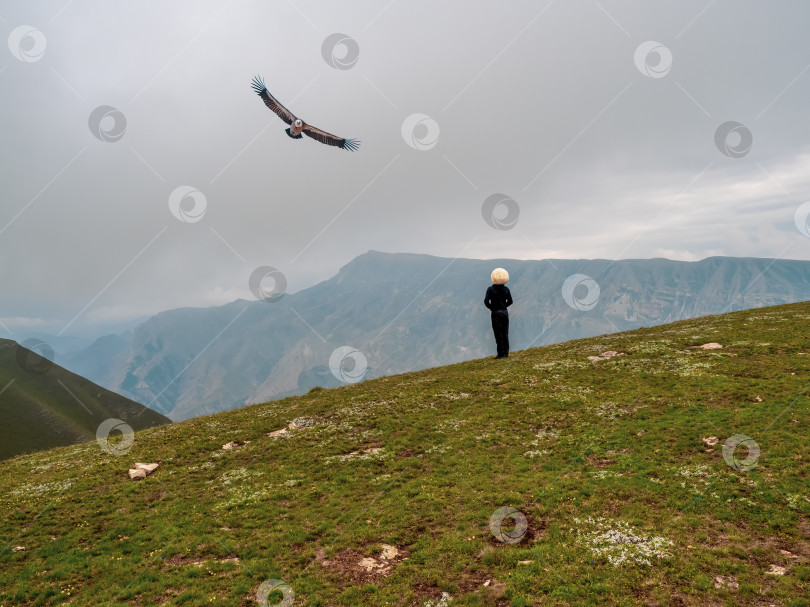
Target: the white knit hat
(499, 276)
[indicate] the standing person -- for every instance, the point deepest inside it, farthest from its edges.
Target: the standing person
(497, 299)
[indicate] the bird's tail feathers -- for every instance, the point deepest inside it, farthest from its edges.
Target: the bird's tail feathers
(298, 136)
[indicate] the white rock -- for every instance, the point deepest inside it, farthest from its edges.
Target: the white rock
(136, 473)
(606, 355)
(142, 470)
(150, 468)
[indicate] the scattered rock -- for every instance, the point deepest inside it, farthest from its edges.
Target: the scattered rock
(18, 548)
(776, 570)
(383, 563)
(712, 345)
(606, 355)
(298, 422)
(525, 562)
(234, 443)
(788, 554)
(710, 441)
(370, 451)
(727, 581)
(301, 422)
(758, 399)
(142, 470)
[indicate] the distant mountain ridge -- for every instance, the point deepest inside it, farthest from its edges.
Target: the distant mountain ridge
(405, 312)
(43, 405)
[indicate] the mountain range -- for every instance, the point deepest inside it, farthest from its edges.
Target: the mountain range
(387, 313)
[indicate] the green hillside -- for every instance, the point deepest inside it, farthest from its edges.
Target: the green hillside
(542, 479)
(43, 405)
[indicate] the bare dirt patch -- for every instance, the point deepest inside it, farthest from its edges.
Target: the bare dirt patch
(354, 566)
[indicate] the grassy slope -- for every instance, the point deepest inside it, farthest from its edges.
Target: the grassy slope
(40, 410)
(546, 432)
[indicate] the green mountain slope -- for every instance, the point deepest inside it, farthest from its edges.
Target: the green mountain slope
(43, 405)
(543, 479)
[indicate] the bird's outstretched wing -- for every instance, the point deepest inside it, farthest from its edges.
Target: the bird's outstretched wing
(270, 101)
(330, 139)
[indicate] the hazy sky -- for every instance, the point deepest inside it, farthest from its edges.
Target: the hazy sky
(619, 129)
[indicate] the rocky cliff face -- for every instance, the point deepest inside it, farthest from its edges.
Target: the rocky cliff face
(406, 312)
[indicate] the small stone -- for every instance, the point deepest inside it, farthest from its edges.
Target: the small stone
(606, 355)
(18, 548)
(150, 468)
(758, 399)
(142, 470)
(711, 441)
(712, 345)
(525, 562)
(137, 473)
(230, 445)
(277, 432)
(730, 582)
(776, 570)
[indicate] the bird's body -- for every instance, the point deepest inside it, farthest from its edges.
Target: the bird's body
(298, 127)
(295, 130)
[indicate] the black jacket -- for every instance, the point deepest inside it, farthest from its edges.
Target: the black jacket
(498, 298)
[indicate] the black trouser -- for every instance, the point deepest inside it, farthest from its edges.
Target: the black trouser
(500, 326)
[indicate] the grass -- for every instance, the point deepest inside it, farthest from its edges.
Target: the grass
(43, 405)
(622, 502)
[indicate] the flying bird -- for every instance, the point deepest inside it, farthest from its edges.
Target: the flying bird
(298, 126)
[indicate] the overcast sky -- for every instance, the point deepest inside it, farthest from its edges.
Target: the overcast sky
(619, 129)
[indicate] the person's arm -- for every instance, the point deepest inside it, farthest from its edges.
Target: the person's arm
(488, 298)
(508, 301)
